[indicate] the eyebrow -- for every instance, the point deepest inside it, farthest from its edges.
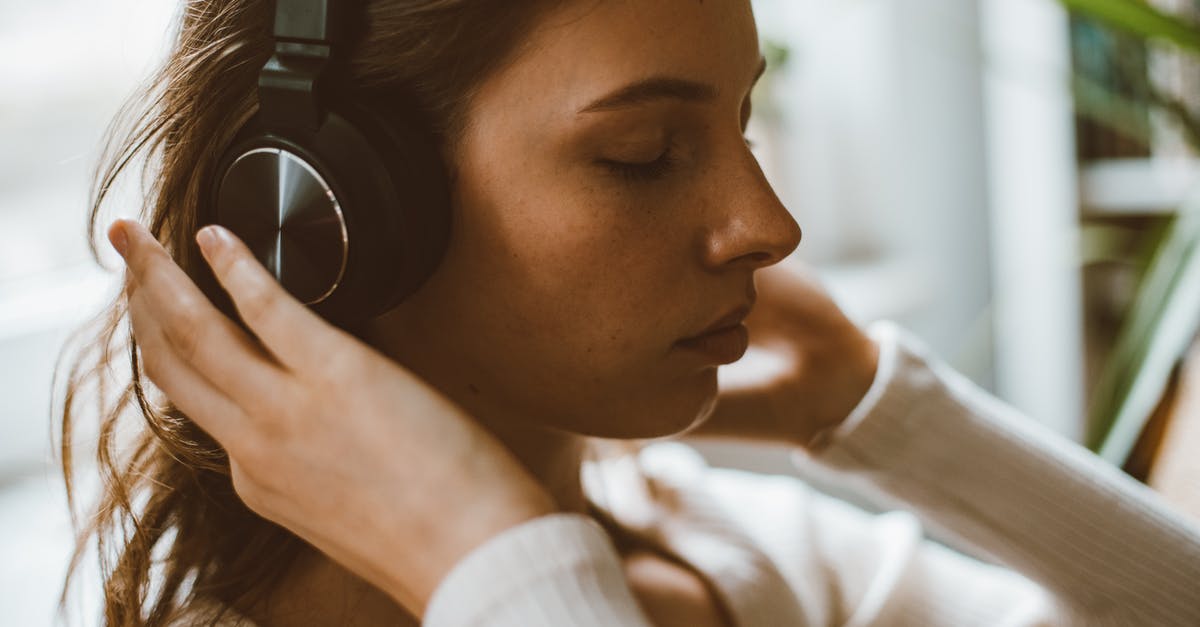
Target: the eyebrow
(660, 88)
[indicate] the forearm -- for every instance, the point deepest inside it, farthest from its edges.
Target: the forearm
(1012, 491)
(413, 583)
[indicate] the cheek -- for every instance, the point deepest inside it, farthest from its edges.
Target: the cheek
(565, 270)
(572, 308)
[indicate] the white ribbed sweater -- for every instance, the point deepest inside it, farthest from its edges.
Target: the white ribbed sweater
(1050, 534)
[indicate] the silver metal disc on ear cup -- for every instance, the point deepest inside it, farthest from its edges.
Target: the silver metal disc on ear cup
(289, 216)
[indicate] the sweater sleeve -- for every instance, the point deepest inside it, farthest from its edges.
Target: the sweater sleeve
(1091, 546)
(554, 571)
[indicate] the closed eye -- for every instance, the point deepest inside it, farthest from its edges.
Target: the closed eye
(649, 170)
(645, 171)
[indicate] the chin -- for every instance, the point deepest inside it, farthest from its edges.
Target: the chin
(662, 412)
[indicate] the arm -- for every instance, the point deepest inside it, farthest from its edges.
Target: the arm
(1105, 548)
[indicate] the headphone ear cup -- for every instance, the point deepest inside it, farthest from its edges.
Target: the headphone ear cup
(370, 223)
(417, 213)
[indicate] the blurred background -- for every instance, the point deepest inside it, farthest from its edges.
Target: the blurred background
(1012, 181)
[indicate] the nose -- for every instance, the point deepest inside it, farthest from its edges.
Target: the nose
(750, 226)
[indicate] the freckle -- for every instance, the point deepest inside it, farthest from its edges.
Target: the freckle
(474, 390)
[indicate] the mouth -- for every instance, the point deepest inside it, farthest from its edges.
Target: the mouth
(724, 341)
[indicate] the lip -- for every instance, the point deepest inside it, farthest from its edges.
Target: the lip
(723, 346)
(725, 322)
(723, 341)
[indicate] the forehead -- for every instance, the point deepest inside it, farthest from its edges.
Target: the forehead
(581, 50)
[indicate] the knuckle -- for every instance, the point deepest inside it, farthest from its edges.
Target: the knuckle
(186, 334)
(252, 457)
(340, 360)
(151, 364)
(225, 264)
(259, 307)
(332, 376)
(257, 409)
(259, 304)
(332, 369)
(277, 423)
(152, 267)
(269, 424)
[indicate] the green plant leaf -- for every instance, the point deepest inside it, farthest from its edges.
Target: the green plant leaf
(1165, 314)
(1140, 19)
(1160, 326)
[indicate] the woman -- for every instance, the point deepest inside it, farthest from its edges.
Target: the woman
(606, 246)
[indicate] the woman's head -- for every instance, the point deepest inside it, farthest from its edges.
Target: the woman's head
(568, 279)
(592, 232)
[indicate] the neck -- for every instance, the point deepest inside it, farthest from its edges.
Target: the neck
(553, 457)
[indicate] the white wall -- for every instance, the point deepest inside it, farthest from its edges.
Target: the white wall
(65, 67)
(1035, 233)
(885, 162)
(929, 157)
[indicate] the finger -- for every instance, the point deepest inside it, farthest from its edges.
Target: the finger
(299, 338)
(199, 333)
(190, 391)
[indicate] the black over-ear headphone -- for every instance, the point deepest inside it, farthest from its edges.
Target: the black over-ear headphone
(342, 197)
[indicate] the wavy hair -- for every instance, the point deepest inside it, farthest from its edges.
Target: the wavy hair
(169, 531)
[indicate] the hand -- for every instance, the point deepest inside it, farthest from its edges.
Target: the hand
(325, 436)
(821, 365)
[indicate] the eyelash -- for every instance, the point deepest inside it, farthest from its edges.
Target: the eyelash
(650, 171)
(640, 172)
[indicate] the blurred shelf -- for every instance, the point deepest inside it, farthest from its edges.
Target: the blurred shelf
(1133, 187)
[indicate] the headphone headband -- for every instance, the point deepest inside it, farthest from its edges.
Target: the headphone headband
(290, 84)
(314, 21)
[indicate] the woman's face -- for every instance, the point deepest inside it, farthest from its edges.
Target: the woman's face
(570, 278)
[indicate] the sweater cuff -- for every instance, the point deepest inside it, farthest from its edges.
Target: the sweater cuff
(886, 335)
(555, 570)
(896, 413)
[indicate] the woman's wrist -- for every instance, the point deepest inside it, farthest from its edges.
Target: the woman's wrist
(827, 381)
(855, 364)
(459, 537)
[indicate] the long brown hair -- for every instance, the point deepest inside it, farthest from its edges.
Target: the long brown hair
(168, 527)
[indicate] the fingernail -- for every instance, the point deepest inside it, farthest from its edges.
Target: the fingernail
(209, 239)
(118, 239)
